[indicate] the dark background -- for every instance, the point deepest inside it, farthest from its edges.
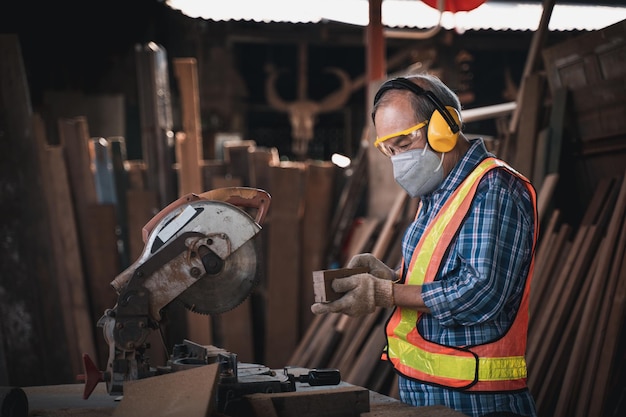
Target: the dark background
(88, 46)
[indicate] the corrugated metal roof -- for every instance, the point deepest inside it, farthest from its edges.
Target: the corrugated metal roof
(491, 15)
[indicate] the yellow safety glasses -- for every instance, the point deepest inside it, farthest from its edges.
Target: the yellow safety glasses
(401, 142)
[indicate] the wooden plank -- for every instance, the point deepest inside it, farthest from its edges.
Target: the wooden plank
(117, 149)
(226, 182)
(283, 263)
(362, 237)
(530, 112)
(543, 247)
(592, 300)
(65, 245)
(316, 334)
(368, 356)
(102, 170)
(586, 59)
(546, 393)
(155, 110)
(600, 196)
(346, 207)
(136, 171)
(509, 150)
(545, 194)
(237, 160)
(259, 160)
(325, 343)
(543, 283)
(542, 150)
(532, 61)
(345, 358)
(560, 303)
(74, 138)
(189, 146)
(301, 354)
(608, 351)
(211, 169)
(189, 153)
(391, 222)
(236, 329)
(559, 118)
(599, 322)
(333, 402)
(541, 344)
(319, 181)
(598, 111)
(75, 142)
(106, 112)
(104, 268)
(194, 395)
(142, 205)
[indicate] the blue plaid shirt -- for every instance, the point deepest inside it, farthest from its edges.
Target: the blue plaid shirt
(476, 293)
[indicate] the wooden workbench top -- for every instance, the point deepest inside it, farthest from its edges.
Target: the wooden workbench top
(67, 401)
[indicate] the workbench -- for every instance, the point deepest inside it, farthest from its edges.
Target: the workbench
(67, 401)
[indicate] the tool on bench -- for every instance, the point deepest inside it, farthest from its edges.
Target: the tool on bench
(199, 250)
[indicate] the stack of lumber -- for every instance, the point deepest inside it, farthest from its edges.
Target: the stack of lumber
(93, 204)
(577, 307)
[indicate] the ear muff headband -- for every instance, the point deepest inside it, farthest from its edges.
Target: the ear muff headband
(444, 124)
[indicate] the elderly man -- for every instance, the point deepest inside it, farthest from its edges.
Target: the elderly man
(457, 334)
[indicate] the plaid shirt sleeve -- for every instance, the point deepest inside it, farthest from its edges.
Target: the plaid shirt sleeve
(482, 278)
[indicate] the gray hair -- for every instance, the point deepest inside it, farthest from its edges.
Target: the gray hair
(421, 104)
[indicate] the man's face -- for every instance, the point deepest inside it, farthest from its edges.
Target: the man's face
(397, 131)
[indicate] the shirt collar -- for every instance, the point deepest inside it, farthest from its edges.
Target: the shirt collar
(476, 153)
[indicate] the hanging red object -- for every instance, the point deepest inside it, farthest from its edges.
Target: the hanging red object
(456, 5)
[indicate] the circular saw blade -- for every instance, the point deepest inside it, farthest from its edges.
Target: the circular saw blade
(219, 293)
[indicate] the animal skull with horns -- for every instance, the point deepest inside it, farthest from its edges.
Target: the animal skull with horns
(303, 111)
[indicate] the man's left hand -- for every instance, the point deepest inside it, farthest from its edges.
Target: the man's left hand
(363, 292)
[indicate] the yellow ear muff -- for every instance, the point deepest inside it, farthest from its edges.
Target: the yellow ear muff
(440, 136)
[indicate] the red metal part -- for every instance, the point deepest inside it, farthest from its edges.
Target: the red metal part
(91, 377)
(456, 5)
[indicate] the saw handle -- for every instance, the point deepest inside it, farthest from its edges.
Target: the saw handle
(242, 197)
(237, 196)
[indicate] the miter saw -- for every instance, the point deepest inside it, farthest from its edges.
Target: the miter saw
(198, 250)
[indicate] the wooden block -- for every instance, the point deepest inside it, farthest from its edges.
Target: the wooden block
(334, 402)
(188, 393)
(322, 282)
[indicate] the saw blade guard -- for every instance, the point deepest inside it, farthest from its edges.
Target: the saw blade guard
(238, 196)
(171, 221)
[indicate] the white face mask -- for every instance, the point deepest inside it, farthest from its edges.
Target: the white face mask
(418, 171)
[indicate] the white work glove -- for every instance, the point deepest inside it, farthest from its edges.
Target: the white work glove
(363, 292)
(375, 266)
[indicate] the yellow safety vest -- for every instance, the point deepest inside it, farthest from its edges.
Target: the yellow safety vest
(496, 366)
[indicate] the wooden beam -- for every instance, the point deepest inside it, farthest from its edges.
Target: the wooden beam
(534, 53)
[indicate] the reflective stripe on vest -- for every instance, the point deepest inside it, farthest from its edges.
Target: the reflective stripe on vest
(495, 366)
